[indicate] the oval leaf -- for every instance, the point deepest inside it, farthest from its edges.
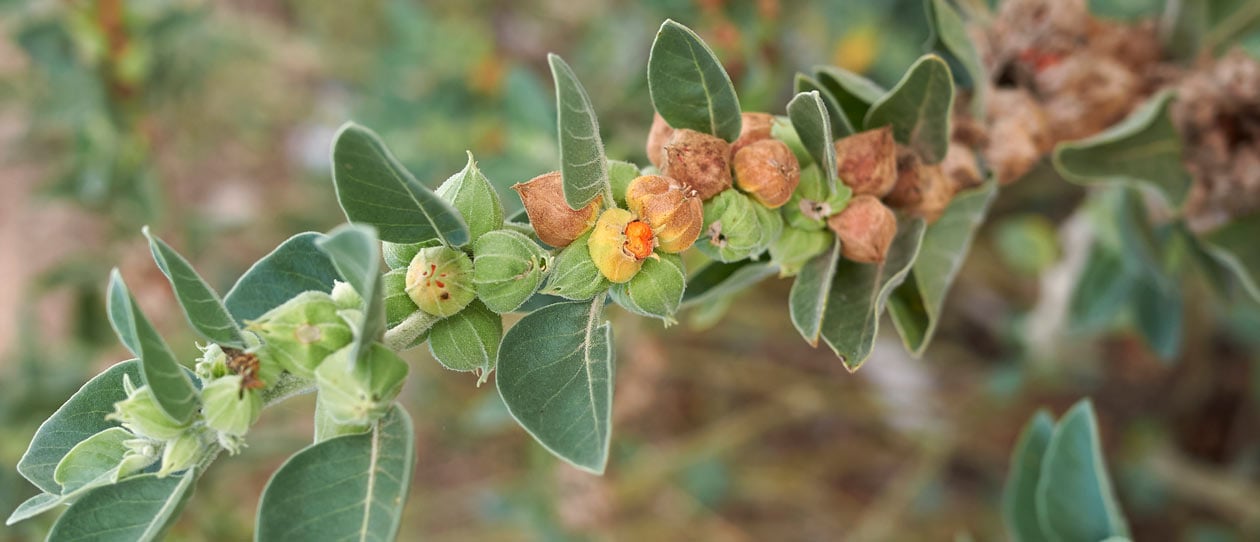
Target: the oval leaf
(859, 292)
(1143, 149)
(356, 253)
(373, 188)
(296, 266)
(852, 92)
(1019, 497)
(172, 388)
(810, 292)
(689, 87)
(555, 376)
(1074, 496)
(137, 509)
(583, 165)
(916, 305)
(809, 117)
(202, 306)
(919, 108)
(350, 487)
(840, 126)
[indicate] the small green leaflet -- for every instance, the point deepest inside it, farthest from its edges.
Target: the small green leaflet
(809, 117)
(689, 87)
(1074, 496)
(373, 188)
(839, 123)
(852, 92)
(916, 305)
(349, 487)
(1143, 149)
(583, 165)
(1019, 497)
(356, 253)
(137, 509)
(948, 27)
(202, 306)
(919, 108)
(171, 386)
(296, 266)
(811, 291)
(555, 376)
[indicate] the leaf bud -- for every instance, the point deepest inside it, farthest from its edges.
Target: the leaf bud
(699, 161)
(675, 215)
(554, 222)
(768, 171)
(619, 244)
(866, 229)
(439, 280)
(867, 161)
(345, 296)
(507, 269)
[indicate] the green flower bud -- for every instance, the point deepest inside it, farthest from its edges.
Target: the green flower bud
(737, 228)
(472, 195)
(360, 392)
(212, 364)
(656, 290)
(439, 280)
(345, 297)
(809, 206)
(299, 334)
(104, 454)
(141, 414)
(181, 452)
(508, 267)
(573, 273)
(228, 407)
(795, 247)
(468, 341)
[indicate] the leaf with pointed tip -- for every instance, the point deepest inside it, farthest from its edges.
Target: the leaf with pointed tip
(949, 28)
(718, 279)
(349, 487)
(583, 166)
(859, 292)
(1143, 149)
(852, 92)
(807, 300)
(202, 306)
(137, 509)
(1235, 248)
(34, 506)
(919, 108)
(296, 266)
(809, 117)
(555, 376)
(1019, 497)
(356, 253)
(689, 87)
(172, 388)
(1074, 496)
(916, 305)
(840, 125)
(82, 416)
(374, 188)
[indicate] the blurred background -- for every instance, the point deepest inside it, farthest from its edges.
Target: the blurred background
(211, 122)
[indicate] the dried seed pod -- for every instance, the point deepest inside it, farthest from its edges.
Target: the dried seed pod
(960, 167)
(921, 189)
(554, 222)
(658, 137)
(866, 229)
(867, 161)
(619, 244)
(754, 127)
(439, 280)
(676, 216)
(1018, 136)
(768, 171)
(736, 227)
(507, 269)
(699, 161)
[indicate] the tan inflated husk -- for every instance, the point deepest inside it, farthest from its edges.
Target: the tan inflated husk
(554, 222)
(867, 161)
(676, 215)
(768, 171)
(699, 161)
(866, 229)
(754, 127)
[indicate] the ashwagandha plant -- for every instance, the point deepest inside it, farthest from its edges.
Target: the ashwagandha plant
(868, 197)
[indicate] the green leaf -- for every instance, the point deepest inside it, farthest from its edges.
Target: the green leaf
(919, 108)
(1157, 311)
(810, 292)
(1126, 10)
(859, 293)
(916, 305)
(472, 195)
(1102, 290)
(1235, 247)
(89, 459)
(468, 341)
(1143, 149)
(398, 305)
(296, 266)
(948, 27)
(34, 506)
(374, 188)
(689, 87)
(1019, 497)
(140, 508)
(356, 253)
(555, 376)
(1074, 496)
(719, 279)
(619, 176)
(809, 118)
(202, 306)
(82, 416)
(583, 165)
(172, 388)
(350, 487)
(656, 290)
(840, 125)
(852, 92)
